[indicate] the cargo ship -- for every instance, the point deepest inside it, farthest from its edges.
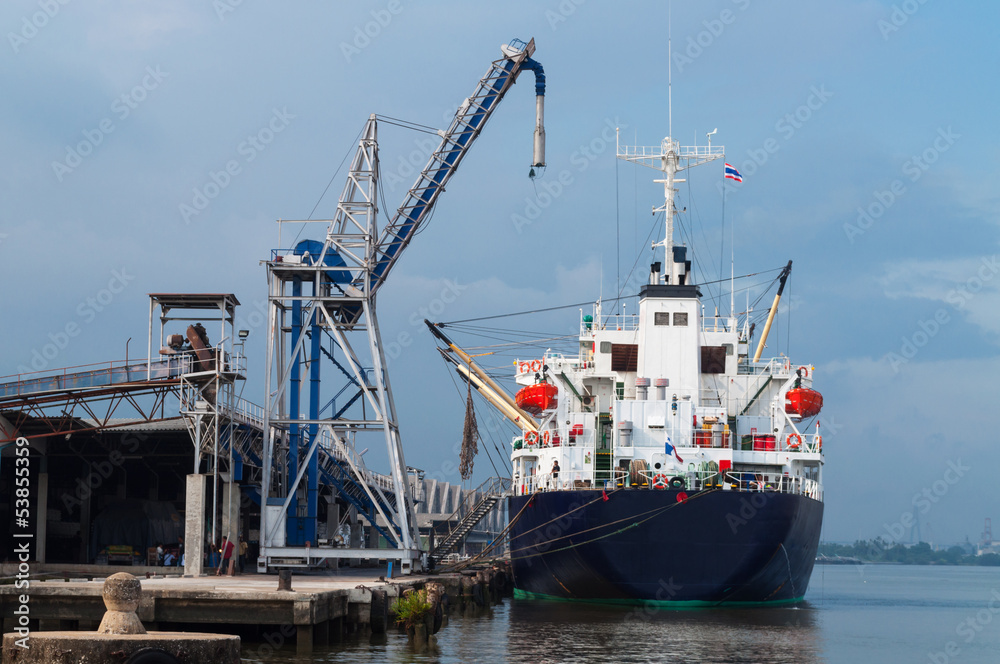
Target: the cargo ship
(667, 461)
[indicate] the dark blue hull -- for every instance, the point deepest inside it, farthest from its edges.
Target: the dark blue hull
(717, 547)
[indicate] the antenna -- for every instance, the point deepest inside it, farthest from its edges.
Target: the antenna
(670, 70)
(709, 134)
(732, 269)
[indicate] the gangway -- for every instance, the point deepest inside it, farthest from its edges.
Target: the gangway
(470, 512)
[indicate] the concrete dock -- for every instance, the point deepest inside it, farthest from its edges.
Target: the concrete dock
(320, 609)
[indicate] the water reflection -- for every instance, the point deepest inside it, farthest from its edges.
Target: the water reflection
(556, 631)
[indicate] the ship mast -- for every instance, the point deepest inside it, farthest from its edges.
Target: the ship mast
(670, 158)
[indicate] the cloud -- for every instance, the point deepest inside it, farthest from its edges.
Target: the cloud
(969, 286)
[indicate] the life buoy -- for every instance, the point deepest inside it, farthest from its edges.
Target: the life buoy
(819, 442)
(794, 441)
(660, 481)
(524, 368)
(546, 438)
(803, 371)
(677, 482)
(536, 366)
(531, 438)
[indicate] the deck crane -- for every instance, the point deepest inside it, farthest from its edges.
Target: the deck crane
(321, 309)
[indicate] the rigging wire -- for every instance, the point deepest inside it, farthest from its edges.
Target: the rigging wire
(618, 237)
(407, 124)
(330, 183)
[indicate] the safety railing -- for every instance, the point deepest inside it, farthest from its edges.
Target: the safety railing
(789, 442)
(690, 480)
(85, 376)
(547, 439)
(561, 481)
(776, 366)
(627, 322)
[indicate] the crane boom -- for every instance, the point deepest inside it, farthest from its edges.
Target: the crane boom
(469, 121)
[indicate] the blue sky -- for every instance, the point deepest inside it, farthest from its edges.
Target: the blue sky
(826, 107)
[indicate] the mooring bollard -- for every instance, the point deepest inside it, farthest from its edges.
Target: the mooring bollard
(121, 637)
(121, 598)
(285, 580)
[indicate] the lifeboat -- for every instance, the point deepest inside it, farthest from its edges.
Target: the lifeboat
(536, 398)
(803, 402)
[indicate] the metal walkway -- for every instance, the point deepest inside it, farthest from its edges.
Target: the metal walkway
(106, 374)
(33, 393)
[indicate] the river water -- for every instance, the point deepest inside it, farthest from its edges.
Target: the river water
(870, 613)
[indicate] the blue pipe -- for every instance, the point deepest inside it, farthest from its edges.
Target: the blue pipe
(312, 472)
(293, 414)
(536, 66)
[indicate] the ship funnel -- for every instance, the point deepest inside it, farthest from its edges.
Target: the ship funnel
(654, 273)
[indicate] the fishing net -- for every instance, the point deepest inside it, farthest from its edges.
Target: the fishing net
(470, 434)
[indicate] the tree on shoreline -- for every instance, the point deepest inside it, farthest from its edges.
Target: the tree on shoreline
(879, 550)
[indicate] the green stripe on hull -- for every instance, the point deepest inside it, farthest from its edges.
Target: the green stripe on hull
(663, 604)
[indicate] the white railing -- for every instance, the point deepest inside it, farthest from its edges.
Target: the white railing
(779, 367)
(584, 439)
(691, 480)
(790, 442)
(658, 151)
(246, 412)
(335, 447)
(614, 322)
(566, 479)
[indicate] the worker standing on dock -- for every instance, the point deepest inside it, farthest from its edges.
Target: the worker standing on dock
(227, 557)
(243, 553)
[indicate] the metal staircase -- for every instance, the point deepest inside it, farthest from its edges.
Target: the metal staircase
(482, 501)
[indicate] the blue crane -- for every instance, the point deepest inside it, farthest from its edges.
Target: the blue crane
(321, 291)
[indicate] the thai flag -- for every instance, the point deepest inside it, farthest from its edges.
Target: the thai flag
(732, 173)
(670, 449)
